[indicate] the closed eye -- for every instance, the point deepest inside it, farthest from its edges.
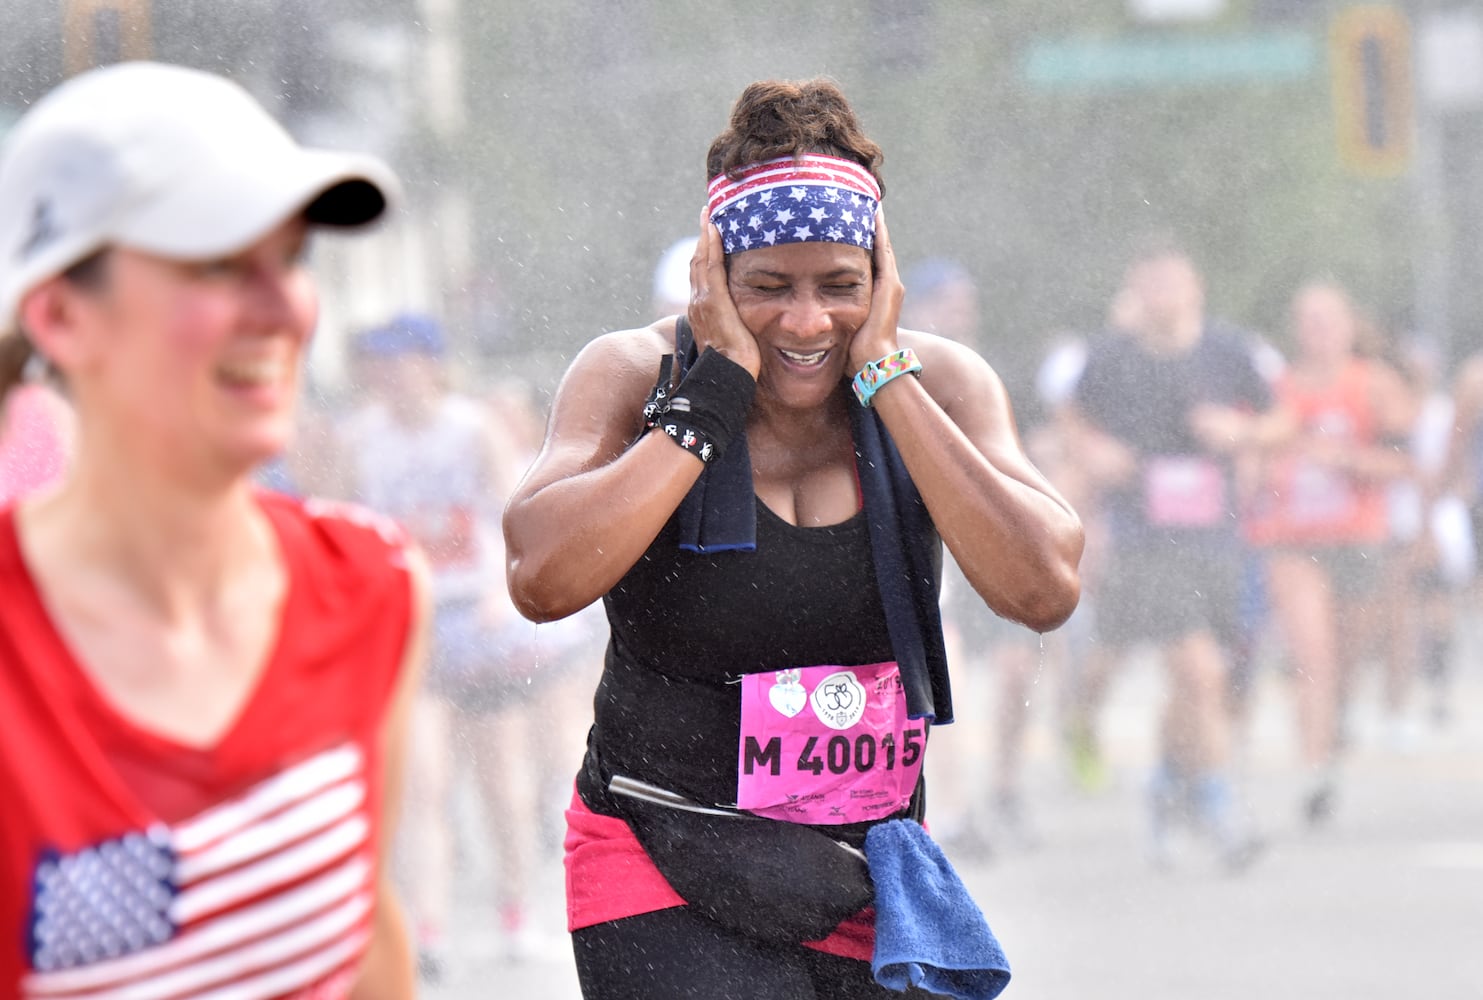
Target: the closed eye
(222, 267)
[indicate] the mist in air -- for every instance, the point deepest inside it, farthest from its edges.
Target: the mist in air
(553, 152)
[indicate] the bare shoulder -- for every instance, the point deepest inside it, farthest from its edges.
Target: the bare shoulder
(614, 371)
(951, 371)
(598, 409)
(937, 348)
(625, 354)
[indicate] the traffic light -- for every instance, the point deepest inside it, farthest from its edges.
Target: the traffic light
(100, 32)
(1374, 104)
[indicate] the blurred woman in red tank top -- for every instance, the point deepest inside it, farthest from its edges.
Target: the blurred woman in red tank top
(1321, 514)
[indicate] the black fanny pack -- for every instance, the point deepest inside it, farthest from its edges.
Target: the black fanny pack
(771, 881)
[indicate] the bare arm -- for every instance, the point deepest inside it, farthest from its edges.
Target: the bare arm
(594, 501)
(1106, 462)
(387, 972)
(1016, 539)
(1225, 430)
(1396, 409)
(591, 504)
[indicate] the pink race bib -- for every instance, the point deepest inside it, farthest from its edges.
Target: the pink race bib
(1320, 494)
(827, 744)
(1184, 491)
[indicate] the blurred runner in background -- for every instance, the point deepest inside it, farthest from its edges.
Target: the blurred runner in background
(1321, 515)
(989, 652)
(1164, 410)
(1431, 552)
(1463, 477)
(439, 463)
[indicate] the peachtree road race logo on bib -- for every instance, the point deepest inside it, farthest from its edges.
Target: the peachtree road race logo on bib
(839, 700)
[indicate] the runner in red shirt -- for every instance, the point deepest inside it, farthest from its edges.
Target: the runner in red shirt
(1322, 517)
(202, 686)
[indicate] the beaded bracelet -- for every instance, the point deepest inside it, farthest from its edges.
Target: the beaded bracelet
(877, 373)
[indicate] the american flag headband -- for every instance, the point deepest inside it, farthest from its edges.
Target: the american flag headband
(805, 199)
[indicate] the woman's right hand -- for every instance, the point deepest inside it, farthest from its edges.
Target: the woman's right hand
(712, 314)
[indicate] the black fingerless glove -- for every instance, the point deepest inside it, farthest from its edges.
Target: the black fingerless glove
(707, 409)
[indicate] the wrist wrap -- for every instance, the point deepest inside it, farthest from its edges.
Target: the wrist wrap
(707, 409)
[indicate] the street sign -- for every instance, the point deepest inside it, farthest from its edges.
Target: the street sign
(1374, 106)
(1143, 63)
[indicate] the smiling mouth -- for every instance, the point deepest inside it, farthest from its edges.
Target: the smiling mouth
(811, 358)
(251, 374)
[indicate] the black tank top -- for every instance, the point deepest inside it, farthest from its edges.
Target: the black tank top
(686, 626)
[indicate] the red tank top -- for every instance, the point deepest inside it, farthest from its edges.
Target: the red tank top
(130, 862)
(1302, 502)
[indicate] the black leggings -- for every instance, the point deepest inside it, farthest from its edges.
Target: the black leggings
(675, 954)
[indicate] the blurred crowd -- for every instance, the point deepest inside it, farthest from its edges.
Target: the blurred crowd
(1310, 510)
(1308, 513)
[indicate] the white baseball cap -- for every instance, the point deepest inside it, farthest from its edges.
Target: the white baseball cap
(164, 159)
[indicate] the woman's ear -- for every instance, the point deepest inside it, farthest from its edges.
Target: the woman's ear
(49, 315)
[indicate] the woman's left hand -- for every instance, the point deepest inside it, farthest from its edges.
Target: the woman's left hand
(877, 337)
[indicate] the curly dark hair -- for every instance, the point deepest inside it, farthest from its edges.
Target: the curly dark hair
(774, 118)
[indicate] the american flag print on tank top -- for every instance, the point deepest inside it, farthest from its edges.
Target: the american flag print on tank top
(267, 894)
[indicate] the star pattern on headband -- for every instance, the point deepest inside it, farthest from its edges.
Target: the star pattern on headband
(797, 214)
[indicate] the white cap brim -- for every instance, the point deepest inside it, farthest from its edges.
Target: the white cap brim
(212, 215)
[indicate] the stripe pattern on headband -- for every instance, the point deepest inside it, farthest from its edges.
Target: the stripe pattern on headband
(808, 199)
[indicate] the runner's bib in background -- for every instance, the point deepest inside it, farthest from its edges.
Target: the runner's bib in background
(1320, 494)
(827, 744)
(1184, 491)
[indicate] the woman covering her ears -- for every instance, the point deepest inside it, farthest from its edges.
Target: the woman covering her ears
(759, 490)
(202, 685)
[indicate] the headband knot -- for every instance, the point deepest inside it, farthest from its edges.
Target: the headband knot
(809, 198)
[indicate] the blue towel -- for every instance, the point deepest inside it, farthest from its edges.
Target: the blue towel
(928, 931)
(719, 514)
